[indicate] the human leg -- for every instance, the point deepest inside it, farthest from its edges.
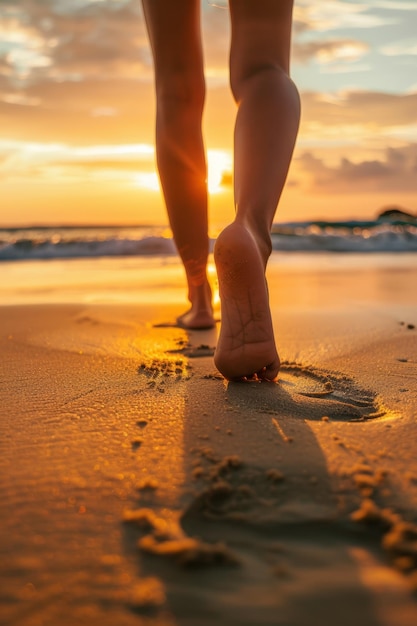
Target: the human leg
(174, 32)
(265, 132)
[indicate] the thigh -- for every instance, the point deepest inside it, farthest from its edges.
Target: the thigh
(174, 33)
(261, 36)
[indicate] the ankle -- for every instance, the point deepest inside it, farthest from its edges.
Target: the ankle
(262, 235)
(200, 295)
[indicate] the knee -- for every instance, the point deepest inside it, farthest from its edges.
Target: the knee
(243, 77)
(179, 92)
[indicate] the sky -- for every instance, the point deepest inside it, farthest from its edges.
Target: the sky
(77, 112)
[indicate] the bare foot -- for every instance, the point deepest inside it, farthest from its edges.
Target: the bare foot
(246, 345)
(200, 315)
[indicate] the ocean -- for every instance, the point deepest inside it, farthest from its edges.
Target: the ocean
(140, 264)
(70, 242)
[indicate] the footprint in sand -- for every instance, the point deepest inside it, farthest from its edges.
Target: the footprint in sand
(173, 365)
(194, 352)
(310, 394)
(176, 324)
(158, 371)
(301, 391)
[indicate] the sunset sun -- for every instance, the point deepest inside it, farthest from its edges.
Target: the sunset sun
(219, 165)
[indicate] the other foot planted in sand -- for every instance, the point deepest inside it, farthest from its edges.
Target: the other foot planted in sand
(200, 315)
(246, 345)
(196, 321)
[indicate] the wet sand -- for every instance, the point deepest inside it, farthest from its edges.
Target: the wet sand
(138, 488)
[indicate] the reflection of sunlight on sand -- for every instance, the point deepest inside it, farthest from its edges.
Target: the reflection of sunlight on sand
(105, 280)
(120, 423)
(113, 280)
(386, 586)
(212, 276)
(105, 330)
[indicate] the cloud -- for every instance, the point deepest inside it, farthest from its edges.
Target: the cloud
(19, 159)
(371, 109)
(56, 40)
(104, 112)
(22, 47)
(216, 43)
(346, 68)
(393, 5)
(98, 80)
(337, 14)
(83, 112)
(395, 170)
(81, 71)
(400, 48)
(113, 44)
(329, 51)
(20, 99)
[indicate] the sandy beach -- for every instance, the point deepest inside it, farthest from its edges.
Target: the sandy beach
(139, 488)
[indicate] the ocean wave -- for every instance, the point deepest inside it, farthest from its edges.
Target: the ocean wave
(345, 237)
(28, 249)
(71, 243)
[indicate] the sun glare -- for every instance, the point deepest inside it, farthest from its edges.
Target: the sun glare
(147, 180)
(219, 163)
(219, 166)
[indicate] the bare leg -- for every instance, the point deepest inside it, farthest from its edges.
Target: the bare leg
(266, 129)
(174, 31)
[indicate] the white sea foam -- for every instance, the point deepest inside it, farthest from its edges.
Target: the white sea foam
(92, 242)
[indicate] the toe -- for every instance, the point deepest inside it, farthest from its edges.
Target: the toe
(270, 372)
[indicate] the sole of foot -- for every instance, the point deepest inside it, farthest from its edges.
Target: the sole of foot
(246, 346)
